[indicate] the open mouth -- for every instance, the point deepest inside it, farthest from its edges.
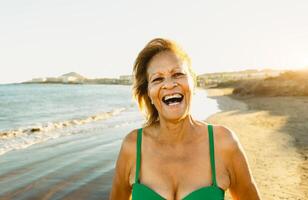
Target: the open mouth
(173, 99)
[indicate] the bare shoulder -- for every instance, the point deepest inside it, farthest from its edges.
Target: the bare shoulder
(226, 139)
(242, 184)
(121, 187)
(128, 147)
(127, 154)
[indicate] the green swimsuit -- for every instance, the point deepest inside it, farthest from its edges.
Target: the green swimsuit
(212, 192)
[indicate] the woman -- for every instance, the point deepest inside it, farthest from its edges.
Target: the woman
(173, 155)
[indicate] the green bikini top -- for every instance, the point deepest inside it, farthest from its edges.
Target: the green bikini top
(212, 192)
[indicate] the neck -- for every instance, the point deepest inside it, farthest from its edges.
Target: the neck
(175, 132)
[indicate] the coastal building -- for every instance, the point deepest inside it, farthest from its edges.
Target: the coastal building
(126, 79)
(38, 80)
(220, 77)
(68, 79)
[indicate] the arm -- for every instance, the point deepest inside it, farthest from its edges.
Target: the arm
(242, 184)
(121, 189)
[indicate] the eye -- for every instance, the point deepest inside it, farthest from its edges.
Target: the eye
(157, 79)
(178, 74)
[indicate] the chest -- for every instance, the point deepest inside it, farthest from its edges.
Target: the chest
(175, 172)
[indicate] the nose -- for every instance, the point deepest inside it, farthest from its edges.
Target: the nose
(169, 83)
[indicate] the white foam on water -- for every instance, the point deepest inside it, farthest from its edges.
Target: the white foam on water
(24, 137)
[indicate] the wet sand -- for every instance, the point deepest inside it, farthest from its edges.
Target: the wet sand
(71, 167)
(274, 134)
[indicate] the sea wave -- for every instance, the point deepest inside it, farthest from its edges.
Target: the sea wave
(26, 136)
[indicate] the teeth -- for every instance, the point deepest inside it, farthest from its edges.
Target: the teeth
(172, 96)
(171, 104)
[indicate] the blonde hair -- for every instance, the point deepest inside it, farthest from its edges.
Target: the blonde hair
(140, 82)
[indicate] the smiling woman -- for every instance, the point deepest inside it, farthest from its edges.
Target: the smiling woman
(170, 86)
(146, 76)
(182, 158)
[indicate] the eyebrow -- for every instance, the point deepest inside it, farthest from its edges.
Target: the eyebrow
(151, 75)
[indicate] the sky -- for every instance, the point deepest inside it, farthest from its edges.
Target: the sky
(101, 38)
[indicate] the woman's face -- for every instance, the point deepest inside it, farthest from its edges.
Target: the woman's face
(170, 85)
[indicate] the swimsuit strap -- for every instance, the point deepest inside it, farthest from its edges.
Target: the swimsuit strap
(138, 156)
(211, 143)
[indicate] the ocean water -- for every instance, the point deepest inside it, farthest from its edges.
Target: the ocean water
(26, 104)
(35, 113)
(62, 141)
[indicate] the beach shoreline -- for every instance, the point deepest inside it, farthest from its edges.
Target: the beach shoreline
(272, 131)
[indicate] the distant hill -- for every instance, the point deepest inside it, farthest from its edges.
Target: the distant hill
(73, 74)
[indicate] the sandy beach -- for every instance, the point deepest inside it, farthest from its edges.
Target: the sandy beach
(273, 132)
